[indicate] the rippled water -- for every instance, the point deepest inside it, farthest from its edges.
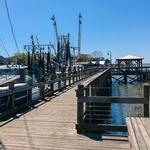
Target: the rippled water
(120, 111)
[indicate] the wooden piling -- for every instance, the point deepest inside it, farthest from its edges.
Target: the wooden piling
(125, 79)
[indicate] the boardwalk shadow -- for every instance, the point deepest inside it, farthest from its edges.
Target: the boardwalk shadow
(93, 136)
(106, 136)
(37, 104)
(2, 146)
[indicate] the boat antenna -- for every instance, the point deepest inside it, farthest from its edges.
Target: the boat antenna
(79, 34)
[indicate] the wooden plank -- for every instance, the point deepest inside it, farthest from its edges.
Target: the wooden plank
(138, 134)
(132, 137)
(146, 123)
(144, 133)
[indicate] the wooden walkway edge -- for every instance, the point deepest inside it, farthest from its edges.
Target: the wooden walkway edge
(51, 126)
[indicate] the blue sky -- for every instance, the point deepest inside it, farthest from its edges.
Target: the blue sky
(122, 26)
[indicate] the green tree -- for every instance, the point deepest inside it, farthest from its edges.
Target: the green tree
(20, 58)
(97, 55)
(3, 61)
(84, 58)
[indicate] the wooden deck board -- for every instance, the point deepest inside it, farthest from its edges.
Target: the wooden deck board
(139, 132)
(51, 126)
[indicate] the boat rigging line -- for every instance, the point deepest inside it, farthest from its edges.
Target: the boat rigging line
(11, 26)
(3, 47)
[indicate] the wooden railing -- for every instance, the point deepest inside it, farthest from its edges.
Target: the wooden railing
(16, 99)
(84, 99)
(130, 70)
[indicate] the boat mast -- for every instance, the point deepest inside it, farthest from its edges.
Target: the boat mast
(79, 35)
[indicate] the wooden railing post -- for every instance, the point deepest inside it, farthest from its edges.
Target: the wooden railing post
(29, 91)
(69, 73)
(64, 81)
(78, 73)
(81, 72)
(22, 75)
(73, 77)
(146, 95)
(12, 97)
(59, 82)
(90, 90)
(75, 74)
(80, 94)
(52, 87)
(42, 87)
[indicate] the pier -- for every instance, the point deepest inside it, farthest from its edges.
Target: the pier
(50, 124)
(67, 117)
(130, 69)
(61, 89)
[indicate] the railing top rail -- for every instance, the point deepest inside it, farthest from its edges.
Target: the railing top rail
(126, 67)
(11, 79)
(109, 99)
(92, 78)
(20, 89)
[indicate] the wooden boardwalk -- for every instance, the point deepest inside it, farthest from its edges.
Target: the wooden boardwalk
(51, 126)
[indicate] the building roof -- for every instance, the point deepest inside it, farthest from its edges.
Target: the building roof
(130, 57)
(101, 62)
(82, 63)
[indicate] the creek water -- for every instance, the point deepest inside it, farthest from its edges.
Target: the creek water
(120, 111)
